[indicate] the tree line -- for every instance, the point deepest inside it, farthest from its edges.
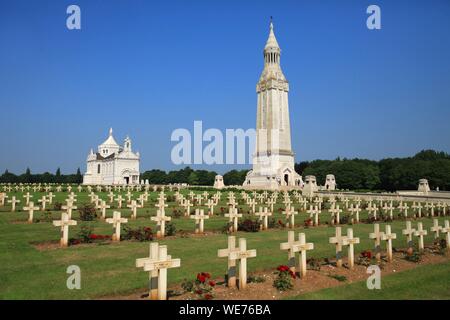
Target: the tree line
(355, 174)
(46, 177)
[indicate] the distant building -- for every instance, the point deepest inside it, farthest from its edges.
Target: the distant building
(112, 164)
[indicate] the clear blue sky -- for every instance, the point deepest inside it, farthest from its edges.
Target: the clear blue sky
(146, 68)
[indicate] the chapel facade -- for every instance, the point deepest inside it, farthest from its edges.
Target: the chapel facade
(112, 164)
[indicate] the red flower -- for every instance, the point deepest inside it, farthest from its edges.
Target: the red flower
(93, 236)
(208, 296)
(283, 268)
(212, 283)
(199, 291)
(201, 278)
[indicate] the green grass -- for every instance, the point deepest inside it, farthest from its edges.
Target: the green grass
(422, 282)
(27, 273)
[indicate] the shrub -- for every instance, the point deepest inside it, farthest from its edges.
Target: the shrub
(177, 213)
(284, 278)
(170, 229)
(139, 234)
(87, 212)
(57, 206)
(84, 235)
(249, 225)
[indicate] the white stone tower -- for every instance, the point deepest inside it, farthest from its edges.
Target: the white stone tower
(273, 161)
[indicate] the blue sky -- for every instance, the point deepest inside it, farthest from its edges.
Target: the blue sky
(146, 68)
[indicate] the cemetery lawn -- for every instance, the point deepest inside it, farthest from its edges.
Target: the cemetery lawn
(32, 266)
(422, 282)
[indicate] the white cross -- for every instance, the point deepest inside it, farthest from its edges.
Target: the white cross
(119, 200)
(116, 221)
(377, 236)
(69, 207)
(290, 217)
(242, 254)
(297, 246)
(446, 230)
(199, 218)
(338, 240)
(270, 202)
(436, 228)
(355, 210)
(231, 269)
(388, 236)
(408, 232)
(373, 210)
(157, 264)
(161, 219)
(64, 223)
(420, 232)
(133, 206)
(252, 203)
(50, 197)
(263, 216)
(210, 204)
(335, 211)
(30, 210)
(314, 212)
(103, 206)
(43, 201)
(233, 216)
(13, 202)
(188, 206)
(27, 197)
(350, 241)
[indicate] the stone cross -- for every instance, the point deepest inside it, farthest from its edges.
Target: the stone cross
(417, 208)
(27, 197)
(3, 197)
(304, 203)
(232, 203)
(199, 199)
(233, 216)
(335, 211)
(350, 241)
(314, 212)
(429, 206)
(436, 228)
(408, 232)
(403, 207)
(270, 202)
(297, 246)
(446, 230)
(199, 218)
(290, 217)
(30, 210)
(157, 264)
(160, 219)
(346, 201)
(13, 202)
(111, 197)
(373, 210)
(103, 206)
(263, 216)
(355, 210)
(128, 195)
(338, 240)
(64, 224)
(133, 206)
(210, 204)
(43, 201)
(119, 200)
(420, 232)
(116, 221)
(388, 236)
(231, 270)
(377, 236)
(161, 205)
(188, 206)
(242, 254)
(69, 207)
(50, 197)
(252, 203)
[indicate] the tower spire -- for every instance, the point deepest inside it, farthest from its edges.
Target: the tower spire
(110, 132)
